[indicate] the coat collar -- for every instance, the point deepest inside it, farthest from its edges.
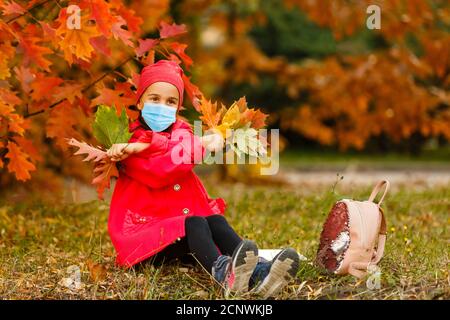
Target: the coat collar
(134, 124)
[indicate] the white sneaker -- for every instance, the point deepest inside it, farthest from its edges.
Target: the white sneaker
(243, 262)
(283, 269)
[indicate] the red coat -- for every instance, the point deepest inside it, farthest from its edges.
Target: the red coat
(153, 194)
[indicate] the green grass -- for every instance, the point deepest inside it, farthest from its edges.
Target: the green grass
(38, 242)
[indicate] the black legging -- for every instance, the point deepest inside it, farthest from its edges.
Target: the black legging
(205, 236)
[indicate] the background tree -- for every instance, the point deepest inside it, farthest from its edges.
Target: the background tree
(324, 76)
(53, 76)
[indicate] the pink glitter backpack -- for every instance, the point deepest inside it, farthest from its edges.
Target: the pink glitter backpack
(354, 235)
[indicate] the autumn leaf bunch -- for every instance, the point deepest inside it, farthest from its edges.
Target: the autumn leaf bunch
(237, 125)
(108, 128)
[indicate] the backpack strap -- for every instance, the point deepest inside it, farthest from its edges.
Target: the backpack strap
(377, 189)
(381, 239)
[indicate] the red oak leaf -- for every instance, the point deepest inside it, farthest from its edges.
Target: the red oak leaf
(12, 8)
(167, 31)
(120, 33)
(18, 162)
(145, 45)
(179, 50)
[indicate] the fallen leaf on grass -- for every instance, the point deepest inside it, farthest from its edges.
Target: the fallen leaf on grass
(96, 271)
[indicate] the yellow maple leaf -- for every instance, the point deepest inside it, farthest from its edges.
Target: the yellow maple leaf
(222, 129)
(232, 116)
(210, 113)
(76, 41)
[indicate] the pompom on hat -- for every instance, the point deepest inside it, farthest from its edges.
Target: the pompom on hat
(165, 71)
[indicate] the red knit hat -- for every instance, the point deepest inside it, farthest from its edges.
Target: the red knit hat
(165, 71)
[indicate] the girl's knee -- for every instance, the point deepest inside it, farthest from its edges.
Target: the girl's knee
(196, 222)
(217, 220)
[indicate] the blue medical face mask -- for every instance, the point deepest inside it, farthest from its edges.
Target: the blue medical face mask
(158, 116)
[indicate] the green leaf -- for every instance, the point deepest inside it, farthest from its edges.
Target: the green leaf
(109, 128)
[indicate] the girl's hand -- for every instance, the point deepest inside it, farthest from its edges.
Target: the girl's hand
(120, 151)
(213, 142)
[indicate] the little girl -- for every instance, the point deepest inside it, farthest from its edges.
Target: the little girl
(161, 210)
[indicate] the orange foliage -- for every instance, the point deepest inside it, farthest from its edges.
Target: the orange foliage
(351, 98)
(53, 75)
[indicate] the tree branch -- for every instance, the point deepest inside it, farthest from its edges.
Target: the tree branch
(28, 11)
(83, 90)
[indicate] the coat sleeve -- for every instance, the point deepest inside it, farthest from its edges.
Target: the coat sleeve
(178, 155)
(158, 142)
